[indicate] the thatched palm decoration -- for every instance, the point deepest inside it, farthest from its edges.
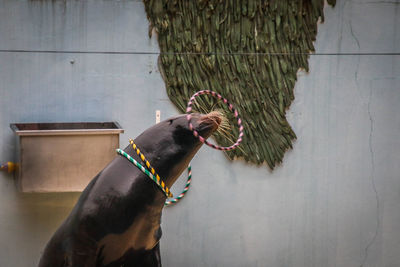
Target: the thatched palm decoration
(249, 51)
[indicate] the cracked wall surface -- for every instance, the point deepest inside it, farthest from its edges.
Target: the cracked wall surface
(335, 201)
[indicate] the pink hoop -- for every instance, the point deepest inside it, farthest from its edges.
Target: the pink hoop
(231, 108)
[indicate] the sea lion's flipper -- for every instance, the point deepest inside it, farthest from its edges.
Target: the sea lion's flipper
(139, 258)
(151, 258)
(155, 256)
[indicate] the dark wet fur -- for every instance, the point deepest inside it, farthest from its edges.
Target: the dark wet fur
(120, 198)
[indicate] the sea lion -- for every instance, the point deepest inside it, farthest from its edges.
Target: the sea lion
(116, 221)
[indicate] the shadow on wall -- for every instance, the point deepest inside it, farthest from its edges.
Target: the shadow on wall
(30, 219)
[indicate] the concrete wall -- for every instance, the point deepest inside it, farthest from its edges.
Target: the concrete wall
(335, 201)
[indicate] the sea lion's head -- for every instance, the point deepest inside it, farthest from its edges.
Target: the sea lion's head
(170, 145)
(205, 125)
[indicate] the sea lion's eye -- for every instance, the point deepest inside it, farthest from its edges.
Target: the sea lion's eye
(170, 121)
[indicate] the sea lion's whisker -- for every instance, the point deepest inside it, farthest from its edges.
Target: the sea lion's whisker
(224, 128)
(229, 106)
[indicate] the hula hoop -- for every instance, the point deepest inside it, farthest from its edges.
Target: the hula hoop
(153, 177)
(170, 198)
(169, 202)
(231, 108)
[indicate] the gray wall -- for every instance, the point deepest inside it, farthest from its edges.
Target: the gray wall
(335, 200)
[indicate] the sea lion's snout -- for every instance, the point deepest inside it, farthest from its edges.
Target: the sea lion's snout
(214, 119)
(209, 123)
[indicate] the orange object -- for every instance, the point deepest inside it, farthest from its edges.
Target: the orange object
(9, 167)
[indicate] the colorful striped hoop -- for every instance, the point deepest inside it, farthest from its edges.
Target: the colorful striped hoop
(153, 177)
(169, 202)
(173, 200)
(231, 108)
